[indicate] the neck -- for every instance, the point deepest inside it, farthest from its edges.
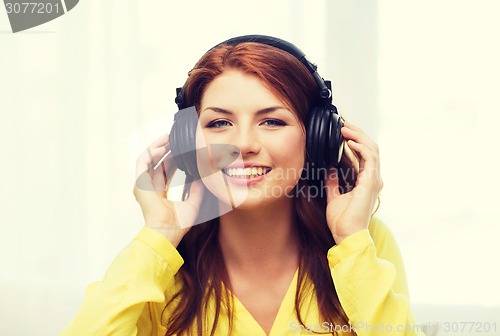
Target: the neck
(260, 239)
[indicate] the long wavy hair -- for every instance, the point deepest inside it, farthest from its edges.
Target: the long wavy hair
(204, 273)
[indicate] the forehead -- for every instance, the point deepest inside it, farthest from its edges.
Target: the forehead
(239, 91)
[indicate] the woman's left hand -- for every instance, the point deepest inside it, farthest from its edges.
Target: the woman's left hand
(351, 212)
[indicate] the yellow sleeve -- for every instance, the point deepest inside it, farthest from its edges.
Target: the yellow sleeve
(141, 273)
(370, 280)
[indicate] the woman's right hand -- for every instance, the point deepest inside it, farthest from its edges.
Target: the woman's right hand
(170, 218)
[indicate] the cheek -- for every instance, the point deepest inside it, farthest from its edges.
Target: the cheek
(200, 138)
(213, 155)
(205, 165)
(293, 146)
(289, 154)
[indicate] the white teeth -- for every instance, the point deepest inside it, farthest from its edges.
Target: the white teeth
(246, 172)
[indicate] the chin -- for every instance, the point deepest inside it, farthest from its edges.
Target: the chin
(257, 199)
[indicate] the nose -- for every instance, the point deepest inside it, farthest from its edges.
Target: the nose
(247, 140)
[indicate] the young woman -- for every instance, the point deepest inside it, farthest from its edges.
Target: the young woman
(293, 255)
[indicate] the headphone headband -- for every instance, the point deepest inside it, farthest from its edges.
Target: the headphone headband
(325, 91)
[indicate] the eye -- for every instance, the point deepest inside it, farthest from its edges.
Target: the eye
(274, 122)
(218, 124)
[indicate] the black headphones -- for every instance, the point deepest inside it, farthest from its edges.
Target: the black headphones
(324, 141)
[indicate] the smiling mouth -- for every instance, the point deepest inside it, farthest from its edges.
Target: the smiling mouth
(246, 173)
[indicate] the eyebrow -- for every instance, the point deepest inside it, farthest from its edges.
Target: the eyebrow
(259, 112)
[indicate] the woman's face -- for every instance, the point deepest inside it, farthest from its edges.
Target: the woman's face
(267, 142)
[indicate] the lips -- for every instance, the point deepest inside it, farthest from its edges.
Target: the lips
(246, 172)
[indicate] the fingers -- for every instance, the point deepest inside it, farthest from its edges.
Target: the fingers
(147, 183)
(148, 178)
(369, 163)
(369, 166)
(332, 186)
(155, 155)
(150, 157)
(196, 194)
(367, 158)
(361, 143)
(187, 211)
(161, 141)
(147, 199)
(154, 167)
(352, 132)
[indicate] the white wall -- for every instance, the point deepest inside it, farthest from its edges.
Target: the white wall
(439, 76)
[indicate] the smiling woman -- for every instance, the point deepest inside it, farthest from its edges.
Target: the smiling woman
(283, 258)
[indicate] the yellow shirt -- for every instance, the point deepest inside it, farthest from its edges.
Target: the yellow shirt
(366, 268)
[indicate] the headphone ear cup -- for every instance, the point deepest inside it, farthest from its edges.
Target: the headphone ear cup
(313, 136)
(175, 146)
(323, 138)
(183, 141)
(335, 138)
(328, 145)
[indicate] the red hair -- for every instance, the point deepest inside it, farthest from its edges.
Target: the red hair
(204, 272)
